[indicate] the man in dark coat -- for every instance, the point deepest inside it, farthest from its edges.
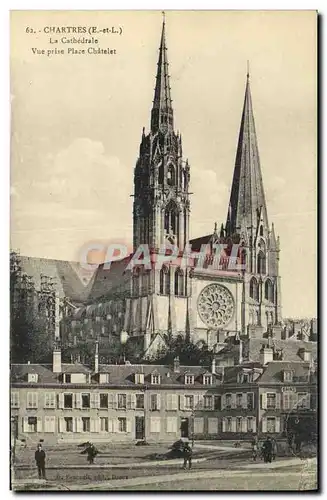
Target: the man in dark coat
(40, 461)
(187, 454)
(91, 452)
(267, 449)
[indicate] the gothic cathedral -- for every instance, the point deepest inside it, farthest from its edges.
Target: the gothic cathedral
(207, 302)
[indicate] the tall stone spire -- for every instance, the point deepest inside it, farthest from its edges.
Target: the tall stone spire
(247, 206)
(162, 112)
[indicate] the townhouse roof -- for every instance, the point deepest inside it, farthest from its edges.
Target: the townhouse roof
(118, 374)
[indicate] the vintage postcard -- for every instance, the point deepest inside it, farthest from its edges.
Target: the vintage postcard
(163, 251)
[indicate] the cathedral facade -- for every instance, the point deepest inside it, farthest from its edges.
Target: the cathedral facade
(208, 290)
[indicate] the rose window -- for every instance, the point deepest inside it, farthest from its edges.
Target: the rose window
(215, 305)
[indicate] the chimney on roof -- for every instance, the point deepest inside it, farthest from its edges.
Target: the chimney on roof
(96, 358)
(213, 365)
(56, 359)
(266, 354)
(176, 365)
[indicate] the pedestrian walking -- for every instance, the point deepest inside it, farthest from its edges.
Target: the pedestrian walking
(187, 454)
(274, 449)
(91, 452)
(254, 447)
(40, 461)
(267, 450)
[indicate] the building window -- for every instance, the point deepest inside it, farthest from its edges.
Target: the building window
(85, 401)
(68, 401)
(164, 281)
(104, 424)
(154, 402)
(207, 379)
(261, 230)
(170, 175)
(254, 289)
(86, 424)
(122, 401)
(250, 400)
(189, 379)
(228, 399)
(238, 424)
(139, 378)
(189, 402)
(250, 424)
(155, 379)
(122, 424)
(179, 283)
(14, 399)
(103, 400)
(271, 424)
(104, 378)
(49, 400)
(32, 398)
(269, 291)
(261, 263)
(288, 376)
(228, 424)
(271, 400)
(32, 424)
(68, 424)
(239, 400)
(217, 402)
(32, 377)
(67, 378)
(207, 402)
(139, 401)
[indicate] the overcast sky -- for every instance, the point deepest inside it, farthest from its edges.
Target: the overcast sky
(77, 124)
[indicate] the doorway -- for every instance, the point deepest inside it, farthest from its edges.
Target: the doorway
(184, 427)
(139, 428)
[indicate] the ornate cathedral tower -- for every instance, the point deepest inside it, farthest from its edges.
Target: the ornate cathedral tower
(247, 223)
(161, 177)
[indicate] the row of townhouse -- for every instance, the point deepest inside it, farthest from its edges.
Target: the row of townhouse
(73, 402)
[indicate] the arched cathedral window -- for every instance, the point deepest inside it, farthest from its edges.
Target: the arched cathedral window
(254, 289)
(171, 215)
(171, 175)
(164, 281)
(179, 283)
(161, 173)
(261, 263)
(269, 291)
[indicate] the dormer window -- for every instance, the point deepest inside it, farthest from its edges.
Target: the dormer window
(155, 378)
(189, 379)
(288, 376)
(104, 378)
(244, 378)
(207, 379)
(139, 378)
(32, 377)
(67, 378)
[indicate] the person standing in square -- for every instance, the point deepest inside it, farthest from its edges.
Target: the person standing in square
(40, 461)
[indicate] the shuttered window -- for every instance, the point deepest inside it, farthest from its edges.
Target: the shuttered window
(171, 425)
(212, 425)
(32, 400)
(198, 425)
(49, 400)
(50, 424)
(155, 423)
(14, 399)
